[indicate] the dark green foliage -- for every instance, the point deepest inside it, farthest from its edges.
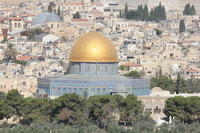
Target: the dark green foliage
(50, 128)
(144, 125)
(178, 127)
(114, 128)
(120, 14)
(186, 109)
(164, 83)
(21, 62)
(145, 14)
(189, 10)
(58, 12)
(158, 32)
(13, 104)
(77, 15)
(129, 109)
(36, 110)
(156, 14)
(126, 11)
(69, 109)
(122, 67)
(100, 110)
(181, 26)
(179, 85)
(74, 114)
(134, 74)
(60, 128)
(51, 6)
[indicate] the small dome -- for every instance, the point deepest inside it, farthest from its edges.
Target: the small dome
(45, 17)
(93, 47)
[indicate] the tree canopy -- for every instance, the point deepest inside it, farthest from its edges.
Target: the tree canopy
(181, 26)
(51, 6)
(189, 10)
(179, 85)
(134, 74)
(102, 114)
(77, 15)
(186, 109)
(71, 109)
(142, 13)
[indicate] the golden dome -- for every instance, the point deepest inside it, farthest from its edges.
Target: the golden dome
(93, 47)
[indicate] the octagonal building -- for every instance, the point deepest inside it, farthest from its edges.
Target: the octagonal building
(93, 71)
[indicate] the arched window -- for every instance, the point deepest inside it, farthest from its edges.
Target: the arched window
(19, 24)
(51, 25)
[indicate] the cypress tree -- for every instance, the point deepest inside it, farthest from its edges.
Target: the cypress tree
(151, 15)
(77, 15)
(189, 10)
(120, 14)
(50, 6)
(193, 11)
(140, 12)
(146, 12)
(58, 11)
(181, 26)
(164, 16)
(126, 11)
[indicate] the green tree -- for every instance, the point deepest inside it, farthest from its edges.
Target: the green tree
(14, 102)
(186, 11)
(146, 12)
(185, 109)
(69, 109)
(164, 83)
(193, 11)
(134, 74)
(77, 15)
(174, 107)
(10, 53)
(58, 12)
(122, 67)
(189, 10)
(120, 14)
(158, 32)
(126, 11)
(129, 109)
(36, 110)
(100, 110)
(51, 6)
(181, 26)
